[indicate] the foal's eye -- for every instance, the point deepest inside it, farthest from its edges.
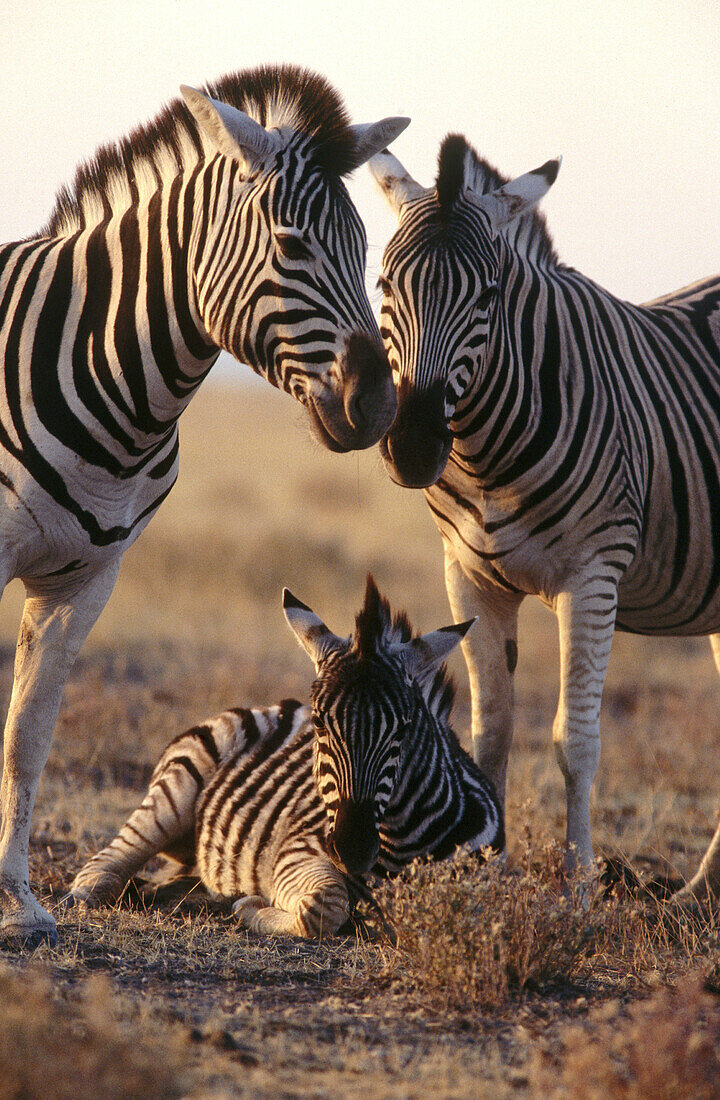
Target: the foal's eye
(293, 247)
(385, 285)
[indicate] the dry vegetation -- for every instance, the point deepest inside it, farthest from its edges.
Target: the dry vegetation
(503, 982)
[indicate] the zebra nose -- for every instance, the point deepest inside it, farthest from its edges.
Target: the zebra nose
(369, 390)
(418, 445)
(355, 839)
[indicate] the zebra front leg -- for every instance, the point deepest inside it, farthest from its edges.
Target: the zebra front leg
(310, 900)
(705, 883)
(490, 650)
(54, 625)
(586, 619)
(164, 822)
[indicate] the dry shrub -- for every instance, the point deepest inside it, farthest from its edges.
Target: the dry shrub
(472, 935)
(67, 1049)
(664, 1048)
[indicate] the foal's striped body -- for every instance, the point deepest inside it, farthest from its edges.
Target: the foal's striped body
(234, 800)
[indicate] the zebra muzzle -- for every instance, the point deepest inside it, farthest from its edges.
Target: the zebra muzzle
(368, 392)
(416, 449)
(354, 840)
(356, 404)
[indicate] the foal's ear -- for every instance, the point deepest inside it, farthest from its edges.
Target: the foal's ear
(423, 655)
(315, 638)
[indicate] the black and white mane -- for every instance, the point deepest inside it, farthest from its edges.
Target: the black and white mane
(458, 162)
(377, 630)
(282, 96)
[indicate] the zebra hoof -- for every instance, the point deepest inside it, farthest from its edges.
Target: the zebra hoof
(18, 937)
(691, 904)
(25, 925)
(247, 909)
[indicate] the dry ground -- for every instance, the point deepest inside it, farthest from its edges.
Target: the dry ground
(172, 1000)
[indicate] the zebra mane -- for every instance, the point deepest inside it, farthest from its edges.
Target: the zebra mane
(377, 630)
(275, 96)
(459, 166)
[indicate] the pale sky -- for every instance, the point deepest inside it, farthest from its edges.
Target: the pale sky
(628, 92)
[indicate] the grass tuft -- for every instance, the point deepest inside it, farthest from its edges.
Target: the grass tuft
(473, 936)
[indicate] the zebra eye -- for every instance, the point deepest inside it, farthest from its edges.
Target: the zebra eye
(385, 285)
(292, 247)
(486, 296)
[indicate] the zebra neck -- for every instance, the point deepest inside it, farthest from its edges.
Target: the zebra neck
(517, 402)
(160, 352)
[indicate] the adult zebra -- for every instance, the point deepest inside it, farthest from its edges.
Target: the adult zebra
(222, 224)
(284, 807)
(569, 443)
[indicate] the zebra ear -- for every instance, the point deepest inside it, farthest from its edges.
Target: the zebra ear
(521, 194)
(424, 654)
(315, 638)
(232, 132)
(394, 181)
(371, 137)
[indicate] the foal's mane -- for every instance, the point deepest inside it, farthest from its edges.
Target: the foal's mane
(377, 630)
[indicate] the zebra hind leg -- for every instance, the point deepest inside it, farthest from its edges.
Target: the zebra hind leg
(164, 822)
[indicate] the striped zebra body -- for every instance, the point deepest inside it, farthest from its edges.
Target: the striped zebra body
(568, 444)
(222, 224)
(234, 800)
(281, 807)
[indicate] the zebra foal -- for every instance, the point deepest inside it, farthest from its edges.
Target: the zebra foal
(222, 224)
(281, 807)
(568, 444)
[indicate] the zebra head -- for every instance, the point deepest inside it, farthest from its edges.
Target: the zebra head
(369, 701)
(278, 253)
(442, 293)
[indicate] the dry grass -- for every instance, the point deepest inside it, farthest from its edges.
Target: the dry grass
(492, 968)
(664, 1048)
(481, 937)
(472, 936)
(49, 1044)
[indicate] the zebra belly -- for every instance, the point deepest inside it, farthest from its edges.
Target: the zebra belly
(667, 559)
(672, 584)
(656, 595)
(96, 518)
(656, 598)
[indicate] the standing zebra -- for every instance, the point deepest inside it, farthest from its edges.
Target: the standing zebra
(569, 444)
(279, 806)
(222, 224)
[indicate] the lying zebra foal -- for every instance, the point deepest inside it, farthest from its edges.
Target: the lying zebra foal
(280, 807)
